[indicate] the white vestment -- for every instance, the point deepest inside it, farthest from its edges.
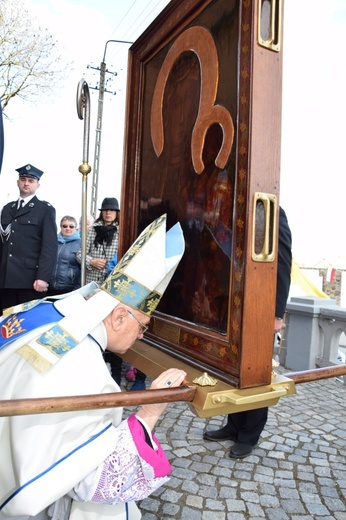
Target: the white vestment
(90, 459)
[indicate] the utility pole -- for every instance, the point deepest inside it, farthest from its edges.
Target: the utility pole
(101, 88)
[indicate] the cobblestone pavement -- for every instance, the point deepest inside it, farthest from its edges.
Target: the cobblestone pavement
(297, 471)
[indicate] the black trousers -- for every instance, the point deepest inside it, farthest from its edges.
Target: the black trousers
(247, 426)
(116, 365)
(11, 297)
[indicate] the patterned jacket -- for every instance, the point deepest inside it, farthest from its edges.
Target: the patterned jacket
(98, 251)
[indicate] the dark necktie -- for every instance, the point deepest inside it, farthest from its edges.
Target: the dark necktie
(20, 205)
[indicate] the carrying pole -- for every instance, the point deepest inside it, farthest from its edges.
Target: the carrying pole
(307, 376)
(185, 393)
(96, 401)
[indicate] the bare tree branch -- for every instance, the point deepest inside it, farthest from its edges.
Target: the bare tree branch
(29, 55)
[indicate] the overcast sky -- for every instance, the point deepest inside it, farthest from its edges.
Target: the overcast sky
(50, 135)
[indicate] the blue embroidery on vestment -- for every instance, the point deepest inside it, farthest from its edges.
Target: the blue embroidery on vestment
(57, 340)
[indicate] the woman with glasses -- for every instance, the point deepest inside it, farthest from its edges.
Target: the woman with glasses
(66, 273)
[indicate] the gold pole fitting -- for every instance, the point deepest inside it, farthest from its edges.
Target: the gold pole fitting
(84, 168)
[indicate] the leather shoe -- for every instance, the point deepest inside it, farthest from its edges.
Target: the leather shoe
(219, 435)
(240, 450)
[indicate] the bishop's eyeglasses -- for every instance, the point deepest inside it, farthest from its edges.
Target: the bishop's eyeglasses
(143, 327)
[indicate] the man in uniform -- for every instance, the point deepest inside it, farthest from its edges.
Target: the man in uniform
(28, 246)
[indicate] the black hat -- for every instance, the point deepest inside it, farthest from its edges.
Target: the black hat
(110, 203)
(29, 171)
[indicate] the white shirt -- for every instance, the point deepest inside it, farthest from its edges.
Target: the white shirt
(25, 201)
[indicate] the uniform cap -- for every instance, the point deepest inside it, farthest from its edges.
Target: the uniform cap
(29, 171)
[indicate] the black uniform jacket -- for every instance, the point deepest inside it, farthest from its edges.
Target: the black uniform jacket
(29, 252)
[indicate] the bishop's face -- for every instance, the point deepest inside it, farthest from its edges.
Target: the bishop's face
(124, 326)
